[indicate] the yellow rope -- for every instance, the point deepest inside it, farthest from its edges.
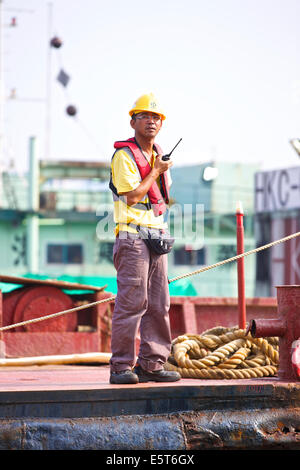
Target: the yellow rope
(53, 315)
(234, 258)
(223, 353)
(111, 299)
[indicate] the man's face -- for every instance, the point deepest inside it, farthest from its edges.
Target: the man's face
(146, 124)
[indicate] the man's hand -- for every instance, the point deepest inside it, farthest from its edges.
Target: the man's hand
(161, 165)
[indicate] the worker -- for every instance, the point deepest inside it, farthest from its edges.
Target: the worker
(140, 182)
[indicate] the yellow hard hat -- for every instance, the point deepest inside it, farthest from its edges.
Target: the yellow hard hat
(147, 103)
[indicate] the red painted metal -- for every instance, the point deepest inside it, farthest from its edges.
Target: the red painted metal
(40, 301)
(286, 326)
(87, 330)
(8, 304)
(267, 327)
(241, 268)
(197, 314)
(189, 317)
(92, 330)
(27, 344)
(63, 407)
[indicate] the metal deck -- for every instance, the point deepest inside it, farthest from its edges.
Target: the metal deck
(75, 407)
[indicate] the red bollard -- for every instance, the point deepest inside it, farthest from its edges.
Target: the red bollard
(286, 326)
(240, 266)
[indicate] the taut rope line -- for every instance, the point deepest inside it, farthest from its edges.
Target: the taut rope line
(198, 271)
(53, 315)
(234, 258)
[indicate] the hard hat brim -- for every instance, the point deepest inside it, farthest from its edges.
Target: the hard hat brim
(136, 111)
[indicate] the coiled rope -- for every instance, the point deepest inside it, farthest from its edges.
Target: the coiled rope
(223, 353)
(198, 271)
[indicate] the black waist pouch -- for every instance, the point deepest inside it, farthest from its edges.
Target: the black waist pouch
(159, 241)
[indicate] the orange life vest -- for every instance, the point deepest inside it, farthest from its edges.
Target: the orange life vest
(158, 198)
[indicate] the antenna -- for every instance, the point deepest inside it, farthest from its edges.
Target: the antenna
(167, 157)
(175, 147)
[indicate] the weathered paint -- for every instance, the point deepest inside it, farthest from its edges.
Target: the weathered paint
(286, 326)
(75, 407)
(77, 332)
(127, 433)
(203, 313)
(64, 334)
(209, 430)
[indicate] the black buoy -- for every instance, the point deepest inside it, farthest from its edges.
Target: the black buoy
(71, 110)
(56, 42)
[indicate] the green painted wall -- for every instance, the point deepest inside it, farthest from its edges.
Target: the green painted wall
(73, 220)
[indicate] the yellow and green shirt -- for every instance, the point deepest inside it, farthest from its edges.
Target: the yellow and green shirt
(126, 177)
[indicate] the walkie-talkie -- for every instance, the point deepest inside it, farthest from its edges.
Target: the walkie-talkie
(167, 157)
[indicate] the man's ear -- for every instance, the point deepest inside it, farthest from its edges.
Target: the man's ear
(132, 123)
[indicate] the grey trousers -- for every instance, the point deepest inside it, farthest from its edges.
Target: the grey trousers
(142, 302)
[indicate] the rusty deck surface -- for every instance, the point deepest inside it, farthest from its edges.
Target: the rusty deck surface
(75, 407)
(96, 377)
(72, 387)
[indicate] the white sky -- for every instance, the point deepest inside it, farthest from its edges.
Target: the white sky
(226, 71)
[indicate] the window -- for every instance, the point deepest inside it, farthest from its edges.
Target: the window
(185, 255)
(64, 254)
(225, 251)
(106, 252)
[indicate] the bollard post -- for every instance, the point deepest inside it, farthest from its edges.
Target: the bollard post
(286, 326)
(240, 266)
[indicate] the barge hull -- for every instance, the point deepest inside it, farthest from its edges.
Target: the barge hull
(75, 408)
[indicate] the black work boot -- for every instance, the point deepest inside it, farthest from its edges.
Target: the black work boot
(123, 377)
(156, 375)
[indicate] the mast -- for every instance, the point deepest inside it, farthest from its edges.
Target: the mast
(48, 88)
